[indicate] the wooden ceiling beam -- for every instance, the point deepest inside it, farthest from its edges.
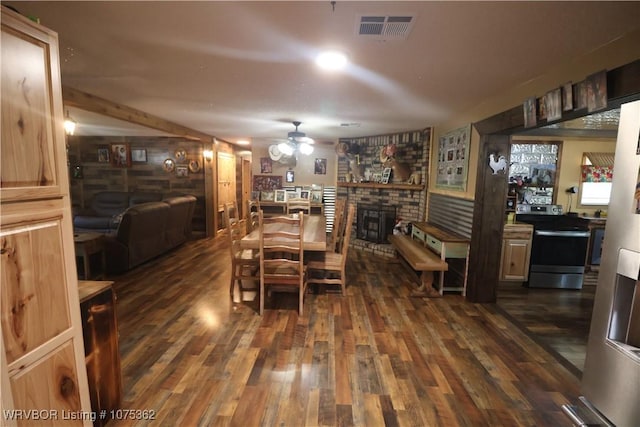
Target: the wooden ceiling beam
(85, 101)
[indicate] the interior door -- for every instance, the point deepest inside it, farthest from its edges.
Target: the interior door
(226, 183)
(246, 185)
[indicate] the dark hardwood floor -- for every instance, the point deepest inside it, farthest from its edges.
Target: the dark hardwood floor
(558, 319)
(372, 357)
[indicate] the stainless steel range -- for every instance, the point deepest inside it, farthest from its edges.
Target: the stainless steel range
(559, 246)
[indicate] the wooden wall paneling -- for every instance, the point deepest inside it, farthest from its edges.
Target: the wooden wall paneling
(488, 222)
(145, 177)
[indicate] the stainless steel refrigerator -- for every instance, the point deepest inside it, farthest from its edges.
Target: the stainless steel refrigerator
(611, 377)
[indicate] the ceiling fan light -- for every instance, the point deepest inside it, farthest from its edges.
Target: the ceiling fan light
(285, 148)
(305, 148)
(331, 60)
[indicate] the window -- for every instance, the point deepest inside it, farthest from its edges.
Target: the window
(596, 179)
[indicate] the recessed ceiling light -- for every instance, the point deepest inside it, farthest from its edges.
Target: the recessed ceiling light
(242, 142)
(331, 60)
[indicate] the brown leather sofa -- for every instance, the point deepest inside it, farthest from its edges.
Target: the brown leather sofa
(107, 208)
(148, 230)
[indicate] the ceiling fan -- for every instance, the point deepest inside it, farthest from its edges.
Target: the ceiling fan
(296, 141)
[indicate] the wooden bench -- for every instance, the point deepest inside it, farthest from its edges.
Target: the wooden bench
(422, 259)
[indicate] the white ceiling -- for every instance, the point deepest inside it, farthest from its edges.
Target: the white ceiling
(244, 70)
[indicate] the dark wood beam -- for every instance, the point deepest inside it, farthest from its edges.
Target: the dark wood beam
(623, 85)
(85, 101)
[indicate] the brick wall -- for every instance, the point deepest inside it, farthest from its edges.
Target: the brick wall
(412, 149)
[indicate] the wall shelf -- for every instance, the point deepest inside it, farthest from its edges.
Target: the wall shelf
(380, 186)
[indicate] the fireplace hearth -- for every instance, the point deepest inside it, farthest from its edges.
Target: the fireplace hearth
(375, 222)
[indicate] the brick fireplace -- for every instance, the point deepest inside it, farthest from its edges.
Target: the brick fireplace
(394, 201)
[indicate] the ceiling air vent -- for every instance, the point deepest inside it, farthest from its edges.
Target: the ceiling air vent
(384, 27)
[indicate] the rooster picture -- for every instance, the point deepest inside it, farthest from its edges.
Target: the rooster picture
(499, 165)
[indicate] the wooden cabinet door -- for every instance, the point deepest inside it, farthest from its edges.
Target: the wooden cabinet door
(32, 152)
(42, 366)
(226, 178)
(515, 260)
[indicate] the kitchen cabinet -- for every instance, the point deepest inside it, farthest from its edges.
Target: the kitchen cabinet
(42, 353)
(102, 355)
(516, 252)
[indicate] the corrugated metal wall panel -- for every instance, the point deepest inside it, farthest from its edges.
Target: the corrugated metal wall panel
(451, 213)
(601, 159)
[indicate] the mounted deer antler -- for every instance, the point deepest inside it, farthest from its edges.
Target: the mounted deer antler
(402, 171)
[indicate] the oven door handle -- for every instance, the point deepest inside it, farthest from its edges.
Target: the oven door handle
(562, 233)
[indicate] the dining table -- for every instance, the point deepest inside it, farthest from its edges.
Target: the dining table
(314, 235)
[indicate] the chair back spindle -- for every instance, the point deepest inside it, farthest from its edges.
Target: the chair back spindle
(282, 256)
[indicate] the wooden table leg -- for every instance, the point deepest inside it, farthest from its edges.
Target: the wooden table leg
(86, 257)
(426, 286)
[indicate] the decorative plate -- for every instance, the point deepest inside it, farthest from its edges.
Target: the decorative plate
(194, 166)
(169, 165)
(181, 155)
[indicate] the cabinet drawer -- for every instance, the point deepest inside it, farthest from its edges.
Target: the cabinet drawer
(434, 244)
(418, 234)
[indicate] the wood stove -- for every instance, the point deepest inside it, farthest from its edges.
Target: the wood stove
(375, 222)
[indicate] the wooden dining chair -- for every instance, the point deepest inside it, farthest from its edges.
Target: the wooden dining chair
(231, 211)
(298, 204)
(253, 207)
(282, 256)
(338, 225)
(245, 263)
(330, 269)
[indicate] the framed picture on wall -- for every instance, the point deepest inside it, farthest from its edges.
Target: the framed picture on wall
(453, 168)
(103, 155)
(289, 176)
(265, 165)
(138, 155)
(320, 167)
(386, 174)
(553, 107)
(194, 166)
(580, 95)
(567, 96)
(597, 91)
(530, 110)
(182, 171)
(266, 182)
(120, 155)
(315, 196)
(267, 196)
(280, 196)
